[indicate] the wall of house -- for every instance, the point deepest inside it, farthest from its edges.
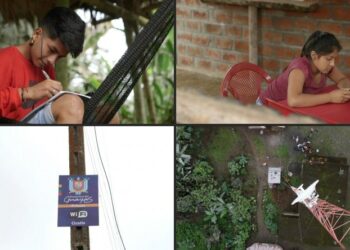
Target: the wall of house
(212, 37)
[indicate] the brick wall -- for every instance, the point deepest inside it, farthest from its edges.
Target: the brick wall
(212, 37)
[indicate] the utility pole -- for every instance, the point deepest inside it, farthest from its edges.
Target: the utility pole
(79, 235)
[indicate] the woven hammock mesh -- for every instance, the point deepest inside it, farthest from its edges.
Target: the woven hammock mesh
(114, 90)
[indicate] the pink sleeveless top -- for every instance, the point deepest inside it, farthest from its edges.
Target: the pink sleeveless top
(277, 90)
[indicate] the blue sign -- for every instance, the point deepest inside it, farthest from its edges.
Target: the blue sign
(78, 200)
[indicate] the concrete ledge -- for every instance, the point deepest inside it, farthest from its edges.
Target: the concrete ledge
(298, 5)
(192, 107)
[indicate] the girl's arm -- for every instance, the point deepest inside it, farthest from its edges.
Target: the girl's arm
(339, 78)
(296, 97)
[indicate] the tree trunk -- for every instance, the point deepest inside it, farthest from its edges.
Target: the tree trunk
(139, 114)
(149, 99)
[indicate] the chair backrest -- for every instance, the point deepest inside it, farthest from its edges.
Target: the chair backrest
(243, 81)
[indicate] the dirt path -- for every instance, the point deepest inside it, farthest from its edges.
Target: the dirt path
(263, 234)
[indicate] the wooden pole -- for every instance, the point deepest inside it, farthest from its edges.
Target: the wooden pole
(253, 37)
(79, 235)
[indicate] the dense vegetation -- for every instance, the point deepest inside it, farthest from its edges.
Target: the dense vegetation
(210, 214)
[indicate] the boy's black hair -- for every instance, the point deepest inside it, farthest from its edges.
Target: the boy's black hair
(322, 43)
(65, 24)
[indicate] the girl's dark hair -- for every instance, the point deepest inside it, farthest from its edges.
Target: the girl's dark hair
(322, 43)
(64, 24)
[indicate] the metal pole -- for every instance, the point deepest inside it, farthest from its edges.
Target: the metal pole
(79, 235)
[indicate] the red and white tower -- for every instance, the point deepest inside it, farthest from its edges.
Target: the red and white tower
(334, 219)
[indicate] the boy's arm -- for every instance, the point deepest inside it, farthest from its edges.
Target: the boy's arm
(10, 100)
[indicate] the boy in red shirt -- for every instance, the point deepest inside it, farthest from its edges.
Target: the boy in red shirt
(23, 85)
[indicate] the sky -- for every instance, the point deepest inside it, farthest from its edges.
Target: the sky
(138, 160)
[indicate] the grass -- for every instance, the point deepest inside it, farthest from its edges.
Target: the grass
(221, 145)
(190, 236)
(270, 212)
(282, 152)
(259, 145)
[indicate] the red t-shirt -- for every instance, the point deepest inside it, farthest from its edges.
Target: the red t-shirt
(16, 71)
(277, 90)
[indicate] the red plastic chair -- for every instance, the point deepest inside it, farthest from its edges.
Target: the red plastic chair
(243, 81)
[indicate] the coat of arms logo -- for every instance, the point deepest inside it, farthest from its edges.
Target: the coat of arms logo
(78, 185)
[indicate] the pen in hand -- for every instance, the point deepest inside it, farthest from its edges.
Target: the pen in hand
(54, 91)
(46, 74)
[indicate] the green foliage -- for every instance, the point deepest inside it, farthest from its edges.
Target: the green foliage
(189, 236)
(225, 214)
(295, 181)
(259, 145)
(221, 144)
(237, 167)
(270, 213)
(203, 173)
(282, 152)
(161, 76)
(91, 68)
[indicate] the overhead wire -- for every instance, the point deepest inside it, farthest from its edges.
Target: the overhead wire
(109, 188)
(112, 237)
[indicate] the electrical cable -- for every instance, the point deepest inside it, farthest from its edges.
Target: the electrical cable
(109, 188)
(111, 235)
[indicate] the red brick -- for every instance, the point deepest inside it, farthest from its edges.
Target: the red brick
(202, 40)
(272, 36)
(346, 29)
(229, 57)
(213, 28)
(321, 13)
(224, 43)
(233, 31)
(223, 16)
(266, 50)
(244, 58)
(345, 61)
(334, 28)
(182, 13)
(283, 23)
(242, 20)
(200, 14)
(179, 24)
(214, 54)
(270, 64)
(308, 25)
(192, 26)
(286, 53)
(194, 51)
(265, 21)
(191, 2)
(204, 64)
(242, 46)
(245, 34)
(181, 48)
(345, 43)
(184, 37)
(294, 39)
(221, 67)
(185, 60)
(341, 13)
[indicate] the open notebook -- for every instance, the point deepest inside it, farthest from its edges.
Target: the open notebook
(40, 107)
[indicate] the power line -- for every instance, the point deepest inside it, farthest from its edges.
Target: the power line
(109, 188)
(112, 237)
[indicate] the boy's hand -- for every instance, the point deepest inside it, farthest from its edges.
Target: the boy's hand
(46, 88)
(340, 95)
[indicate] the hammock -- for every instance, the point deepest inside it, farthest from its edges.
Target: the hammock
(114, 90)
(118, 84)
